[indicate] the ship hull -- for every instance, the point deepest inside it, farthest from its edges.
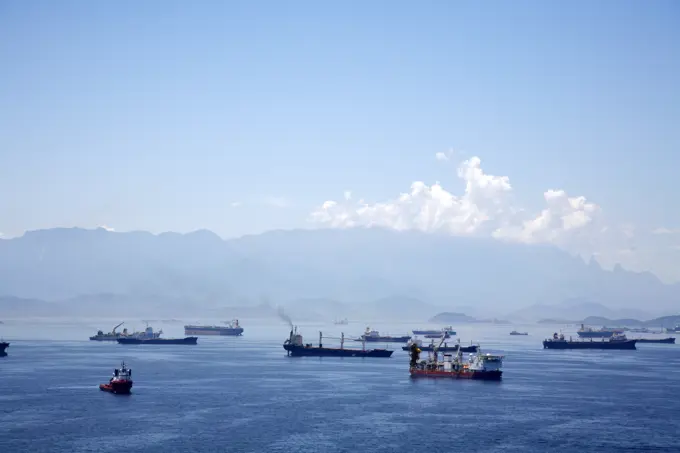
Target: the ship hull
(213, 331)
(3, 346)
(302, 351)
(437, 333)
(472, 348)
(495, 375)
(97, 338)
(404, 339)
(187, 340)
(627, 344)
(119, 388)
(669, 340)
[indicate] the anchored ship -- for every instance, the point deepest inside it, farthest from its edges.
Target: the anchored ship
(374, 336)
(615, 342)
(296, 348)
(341, 322)
(478, 366)
(514, 332)
(604, 332)
(113, 335)
(435, 333)
(442, 348)
(151, 337)
(232, 329)
(669, 340)
(3, 345)
(120, 383)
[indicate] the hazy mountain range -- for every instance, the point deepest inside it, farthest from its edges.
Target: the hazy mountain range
(315, 273)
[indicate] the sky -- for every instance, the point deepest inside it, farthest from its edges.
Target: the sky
(242, 117)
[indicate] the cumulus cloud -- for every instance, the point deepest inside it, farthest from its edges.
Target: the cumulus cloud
(441, 156)
(107, 228)
(486, 207)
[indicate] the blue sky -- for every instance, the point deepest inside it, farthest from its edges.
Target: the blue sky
(159, 115)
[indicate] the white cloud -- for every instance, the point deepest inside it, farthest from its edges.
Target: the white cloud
(487, 207)
(107, 228)
(348, 195)
(236, 204)
(441, 156)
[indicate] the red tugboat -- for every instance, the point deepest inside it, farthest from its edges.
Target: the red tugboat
(478, 366)
(120, 383)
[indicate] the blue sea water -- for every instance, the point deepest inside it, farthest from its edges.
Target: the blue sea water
(244, 395)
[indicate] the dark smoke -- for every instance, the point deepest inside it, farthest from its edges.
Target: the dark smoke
(285, 317)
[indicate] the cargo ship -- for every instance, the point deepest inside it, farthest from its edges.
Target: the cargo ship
(3, 345)
(373, 336)
(514, 332)
(435, 333)
(151, 337)
(113, 335)
(669, 340)
(296, 348)
(442, 348)
(232, 329)
(479, 366)
(604, 332)
(120, 383)
(615, 342)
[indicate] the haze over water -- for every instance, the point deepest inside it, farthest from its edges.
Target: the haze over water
(243, 394)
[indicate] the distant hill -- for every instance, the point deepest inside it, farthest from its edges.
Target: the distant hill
(368, 272)
(664, 321)
(451, 318)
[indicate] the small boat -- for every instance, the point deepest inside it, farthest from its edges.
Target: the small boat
(296, 348)
(120, 383)
(669, 340)
(615, 342)
(514, 332)
(341, 322)
(3, 345)
(375, 337)
(479, 366)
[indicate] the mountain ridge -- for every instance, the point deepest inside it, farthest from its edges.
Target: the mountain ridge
(351, 266)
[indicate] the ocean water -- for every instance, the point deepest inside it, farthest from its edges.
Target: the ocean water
(244, 395)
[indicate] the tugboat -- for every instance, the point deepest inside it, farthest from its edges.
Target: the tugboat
(232, 329)
(295, 348)
(514, 332)
(3, 345)
(445, 348)
(615, 342)
(120, 383)
(375, 337)
(478, 366)
(151, 337)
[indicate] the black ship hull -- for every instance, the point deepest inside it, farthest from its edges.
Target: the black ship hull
(669, 340)
(563, 344)
(187, 340)
(3, 346)
(310, 351)
(404, 339)
(472, 348)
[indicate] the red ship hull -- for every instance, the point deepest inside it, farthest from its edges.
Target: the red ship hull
(463, 374)
(119, 388)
